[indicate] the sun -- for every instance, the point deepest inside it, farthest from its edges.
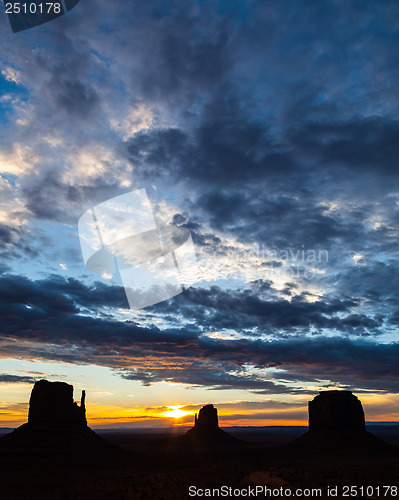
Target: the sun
(175, 412)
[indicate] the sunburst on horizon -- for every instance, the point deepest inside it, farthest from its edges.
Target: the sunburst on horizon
(175, 412)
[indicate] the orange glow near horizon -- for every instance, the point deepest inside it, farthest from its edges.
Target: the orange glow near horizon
(175, 416)
(175, 412)
(108, 409)
(262, 422)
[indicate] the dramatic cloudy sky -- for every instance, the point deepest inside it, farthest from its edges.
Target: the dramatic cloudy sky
(269, 129)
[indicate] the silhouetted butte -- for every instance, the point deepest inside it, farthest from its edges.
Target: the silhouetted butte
(52, 403)
(206, 430)
(336, 420)
(56, 425)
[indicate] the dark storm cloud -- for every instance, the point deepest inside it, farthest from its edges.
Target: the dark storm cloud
(207, 375)
(369, 145)
(225, 150)
(77, 98)
(7, 235)
(374, 281)
(55, 300)
(66, 80)
(15, 243)
(183, 355)
(187, 54)
(278, 221)
(215, 308)
(186, 49)
(16, 379)
(58, 295)
(50, 199)
(231, 152)
(49, 309)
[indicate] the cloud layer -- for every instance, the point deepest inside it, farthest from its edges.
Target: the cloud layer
(269, 129)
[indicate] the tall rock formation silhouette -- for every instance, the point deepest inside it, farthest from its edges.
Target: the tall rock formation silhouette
(52, 402)
(336, 420)
(206, 430)
(207, 419)
(56, 425)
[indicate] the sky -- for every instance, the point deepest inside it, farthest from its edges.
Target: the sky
(267, 128)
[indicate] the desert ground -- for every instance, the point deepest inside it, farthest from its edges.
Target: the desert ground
(156, 464)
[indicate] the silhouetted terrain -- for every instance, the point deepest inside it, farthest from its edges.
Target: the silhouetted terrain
(56, 426)
(151, 466)
(336, 421)
(206, 431)
(163, 464)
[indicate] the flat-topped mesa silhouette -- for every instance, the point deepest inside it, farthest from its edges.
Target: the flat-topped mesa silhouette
(336, 411)
(336, 420)
(52, 403)
(56, 425)
(206, 429)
